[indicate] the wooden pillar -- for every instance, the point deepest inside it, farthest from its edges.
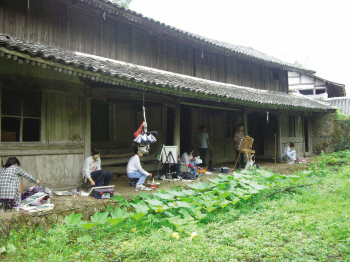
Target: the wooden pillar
(177, 126)
(278, 139)
(87, 123)
(245, 122)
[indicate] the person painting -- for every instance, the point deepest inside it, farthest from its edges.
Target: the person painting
(289, 153)
(135, 170)
(204, 143)
(10, 177)
(187, 158)
(239, 135)
(92, 170)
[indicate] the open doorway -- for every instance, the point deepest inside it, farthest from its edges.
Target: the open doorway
(256, 130)
(170, 126)
(185, 127)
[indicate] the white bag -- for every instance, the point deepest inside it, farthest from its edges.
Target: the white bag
(198, 160)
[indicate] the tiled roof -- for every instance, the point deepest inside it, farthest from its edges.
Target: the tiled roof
(248, 52)
(171, 83)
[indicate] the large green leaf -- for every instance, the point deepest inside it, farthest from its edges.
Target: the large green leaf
(245, 197)
(233, 183)
(144, 195)
(237, 192)
(210, 209)
(118, 213)
(164, 196)
(137, 216)
(234, 199)
(2, 249)
(224, 194)
(73, 219)
(154, 202)
(179, 204)
(176, 193)
(115, 221)
(189, 192)
(224, 203)
(141, 207)
(88, 225)
(216, 180)
(100, 218)
(200, 186)
(186, 199)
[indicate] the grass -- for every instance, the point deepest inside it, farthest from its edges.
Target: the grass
(310, 224)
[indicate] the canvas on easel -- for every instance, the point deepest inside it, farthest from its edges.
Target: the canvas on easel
(169, 154)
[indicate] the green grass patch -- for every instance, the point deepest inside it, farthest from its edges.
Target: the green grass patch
(233, 218)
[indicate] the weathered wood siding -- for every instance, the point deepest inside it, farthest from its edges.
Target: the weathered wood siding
(56, 24)
(57, 159)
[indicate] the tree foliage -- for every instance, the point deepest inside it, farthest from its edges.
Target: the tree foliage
(124, 3)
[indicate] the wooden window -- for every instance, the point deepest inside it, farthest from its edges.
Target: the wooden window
(20, 115)
(99, 121)
(244, 68)
(275, 75)
(230, 125)
(291, 126)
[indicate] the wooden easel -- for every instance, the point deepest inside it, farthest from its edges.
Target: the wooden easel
(246, 148)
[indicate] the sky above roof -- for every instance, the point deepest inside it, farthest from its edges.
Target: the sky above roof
(314, 33)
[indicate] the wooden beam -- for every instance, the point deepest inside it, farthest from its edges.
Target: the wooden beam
(114, 93)
(207, 106)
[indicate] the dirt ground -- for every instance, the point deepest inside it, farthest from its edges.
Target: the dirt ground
(122, 188)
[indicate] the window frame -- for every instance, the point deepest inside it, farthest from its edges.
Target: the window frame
(22, 117)
(291, 126)
(232, 125)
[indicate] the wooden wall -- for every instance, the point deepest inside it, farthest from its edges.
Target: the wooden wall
(57, 159)
(55, 24)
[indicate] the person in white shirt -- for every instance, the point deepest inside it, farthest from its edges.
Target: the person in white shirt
(204, 143)
(92, 170)
(135, 170)
(289, 153)
(187, 157)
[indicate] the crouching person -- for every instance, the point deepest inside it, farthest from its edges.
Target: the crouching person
(290, 153)
(135, 170)
(10, 177)
(92, 170)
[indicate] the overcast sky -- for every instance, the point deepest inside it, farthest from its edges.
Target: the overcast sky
(314, 33)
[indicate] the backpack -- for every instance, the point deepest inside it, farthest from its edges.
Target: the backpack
(188, 175)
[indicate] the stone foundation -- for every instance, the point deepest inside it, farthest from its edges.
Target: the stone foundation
(323, 126)
(47, 219)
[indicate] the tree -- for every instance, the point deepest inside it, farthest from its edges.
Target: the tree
(124, 3)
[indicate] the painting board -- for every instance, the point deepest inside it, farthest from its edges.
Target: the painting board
(160, 152)
(166, 152)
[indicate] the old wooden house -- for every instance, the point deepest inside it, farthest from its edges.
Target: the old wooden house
(74, 73)
(314, 86)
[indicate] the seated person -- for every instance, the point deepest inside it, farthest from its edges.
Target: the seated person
(135, 170)
(187, 158)
(173, 168)
(289, 153)
(10, 177)
(92, 170)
